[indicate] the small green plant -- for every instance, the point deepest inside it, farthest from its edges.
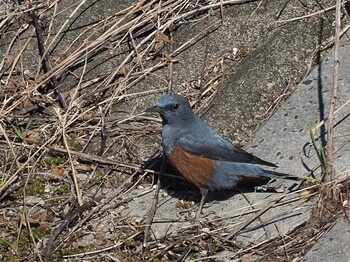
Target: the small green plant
(15, 129)
(5, 244)
(20, 133)
(320, 151)
(20, 236)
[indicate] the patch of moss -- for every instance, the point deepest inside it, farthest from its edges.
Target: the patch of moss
(23, 241)
(11, 250)
(100, 173)
(132, 243)
(34, 188)
(74, 144)
(54, 160)
(214, 249)
(2, 180)
(193, 255)
(62, 191)
(41, 231)
(76, 250)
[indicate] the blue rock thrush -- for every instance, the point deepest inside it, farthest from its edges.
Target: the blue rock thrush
(200, 154)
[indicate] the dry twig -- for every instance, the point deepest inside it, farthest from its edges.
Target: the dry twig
(330, 169)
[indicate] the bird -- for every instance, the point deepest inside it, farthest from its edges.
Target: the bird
(201, 155)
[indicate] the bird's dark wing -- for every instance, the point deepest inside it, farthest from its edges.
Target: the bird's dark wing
(218, 149)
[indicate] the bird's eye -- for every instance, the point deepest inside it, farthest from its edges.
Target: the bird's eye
(175, 106)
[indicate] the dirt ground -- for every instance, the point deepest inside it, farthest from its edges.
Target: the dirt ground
(81, 158)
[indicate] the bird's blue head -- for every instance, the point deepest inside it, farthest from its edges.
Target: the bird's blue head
(173, 109)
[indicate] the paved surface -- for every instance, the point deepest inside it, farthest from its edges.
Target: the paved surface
(333, 246)
(285, 139)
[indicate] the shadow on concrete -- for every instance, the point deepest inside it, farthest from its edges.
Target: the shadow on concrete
(177, 186)
(320, 90)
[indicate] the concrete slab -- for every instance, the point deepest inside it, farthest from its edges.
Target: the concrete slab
(333, 246)
(285, 140)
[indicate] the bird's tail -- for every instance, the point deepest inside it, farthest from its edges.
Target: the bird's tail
(263, 177)
(274, 174)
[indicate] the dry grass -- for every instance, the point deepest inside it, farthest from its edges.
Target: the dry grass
(56, 104)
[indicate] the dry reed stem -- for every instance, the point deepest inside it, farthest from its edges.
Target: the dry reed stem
(119, 243)
(102, 160)
(328, 176)
(153, 210)
(19, 32)
(74, 172)
(10, 146)
(258, 214)
(336, 112)
(17, 58)
(309, 15)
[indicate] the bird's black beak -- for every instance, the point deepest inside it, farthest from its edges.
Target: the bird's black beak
(153, 109)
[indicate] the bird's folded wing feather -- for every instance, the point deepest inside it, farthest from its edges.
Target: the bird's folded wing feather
(218, 149)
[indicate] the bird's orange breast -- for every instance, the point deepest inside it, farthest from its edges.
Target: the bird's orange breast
(196, 169)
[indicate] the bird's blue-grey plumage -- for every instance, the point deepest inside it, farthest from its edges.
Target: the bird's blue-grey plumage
(224, 164)
(192, 133)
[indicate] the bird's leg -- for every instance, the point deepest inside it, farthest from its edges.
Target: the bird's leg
(204, 192)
